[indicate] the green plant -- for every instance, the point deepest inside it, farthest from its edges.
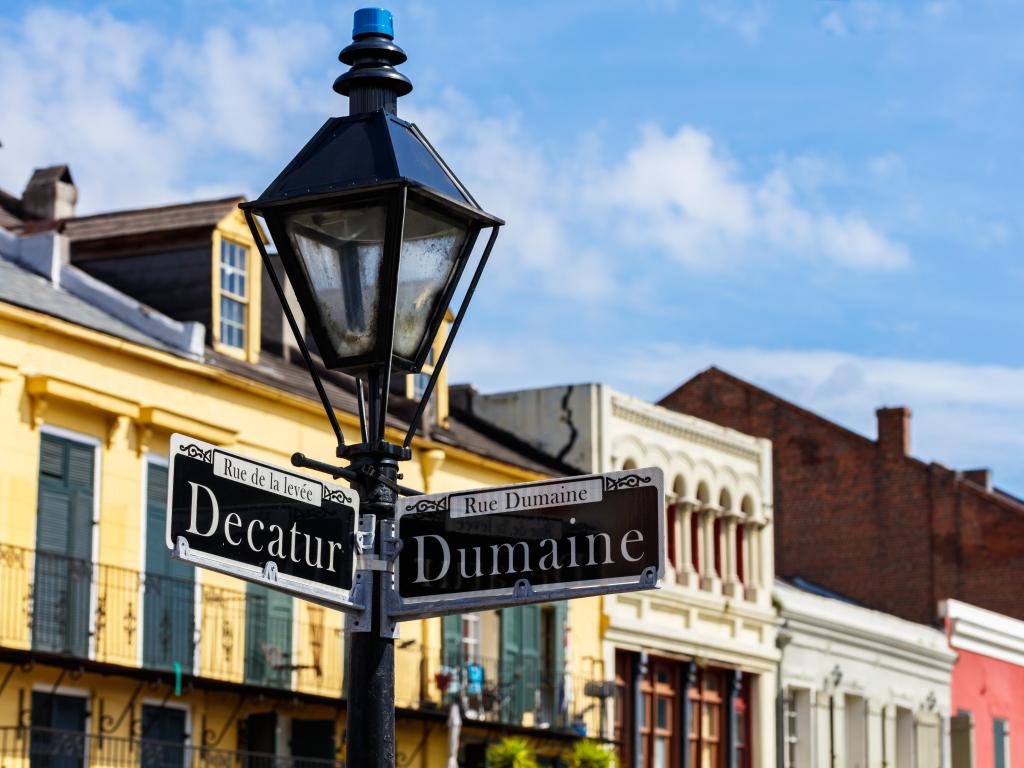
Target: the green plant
(587, 753)
(511, 752)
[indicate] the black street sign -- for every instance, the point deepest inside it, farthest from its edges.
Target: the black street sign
(533, 542)
(262, 523)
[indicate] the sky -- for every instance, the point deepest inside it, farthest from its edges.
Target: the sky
(820, 196)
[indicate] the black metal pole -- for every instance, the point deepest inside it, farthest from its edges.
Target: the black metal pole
(371, 681)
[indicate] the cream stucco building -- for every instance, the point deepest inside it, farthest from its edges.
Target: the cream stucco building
(694, 662)
(860, 687)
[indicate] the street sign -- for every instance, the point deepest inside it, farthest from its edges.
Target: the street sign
(533, 542)
(261, 523)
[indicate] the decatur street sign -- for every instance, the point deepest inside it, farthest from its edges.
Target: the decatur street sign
(261, 523)
(571, 537)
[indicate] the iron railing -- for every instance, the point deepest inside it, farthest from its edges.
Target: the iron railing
(71, 607)
(75, 608)
(511, 691)
(37, 747)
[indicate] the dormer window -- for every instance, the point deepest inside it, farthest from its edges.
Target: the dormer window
(234, 296)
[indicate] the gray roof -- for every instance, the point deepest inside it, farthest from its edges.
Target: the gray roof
(27, 289)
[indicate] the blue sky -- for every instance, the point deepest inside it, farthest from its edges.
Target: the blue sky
(821, 196)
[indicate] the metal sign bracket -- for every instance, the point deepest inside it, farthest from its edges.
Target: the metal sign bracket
(362, 621)
(390, 547)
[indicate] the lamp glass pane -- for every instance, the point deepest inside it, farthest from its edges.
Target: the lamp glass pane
(430, 250)
(341, 253)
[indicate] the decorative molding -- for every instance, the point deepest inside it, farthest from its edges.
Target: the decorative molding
(428, 504)
(193, 451)
(668, 426)
(625, 481)
(42, 390)
(152, 418)
(337, 495)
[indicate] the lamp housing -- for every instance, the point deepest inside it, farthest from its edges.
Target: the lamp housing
(374, 231)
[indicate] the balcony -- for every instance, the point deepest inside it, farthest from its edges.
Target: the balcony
(60, 606)
(54, 748)
(54, 604)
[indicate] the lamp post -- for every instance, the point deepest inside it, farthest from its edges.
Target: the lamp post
(374, 232)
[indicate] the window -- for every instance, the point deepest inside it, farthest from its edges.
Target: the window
(58, 731)
(706, 725)
(1001, 734)
(234, 294)
(471, 638)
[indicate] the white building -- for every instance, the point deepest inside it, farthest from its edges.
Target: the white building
(860, 688)
(697, 656)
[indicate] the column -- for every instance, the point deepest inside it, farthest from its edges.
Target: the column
(671, 537)
(730, 564)
(709, 577)
(686, 574)
(753, 558)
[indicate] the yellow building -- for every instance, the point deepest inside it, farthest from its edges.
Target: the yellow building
(117, 330)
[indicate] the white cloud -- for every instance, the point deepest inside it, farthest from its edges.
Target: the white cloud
(134, 110)
(688, 198)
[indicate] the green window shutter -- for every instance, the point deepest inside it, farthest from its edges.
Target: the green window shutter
(520, 659)
(557, 682)
(509, 685)
(268, 636)
(163, 737)
(63, 569)
(529, 683)
(451, 634)
(169, 602)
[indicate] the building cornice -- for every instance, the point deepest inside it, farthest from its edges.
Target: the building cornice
(836, 622)
(681, 427)
(984, 632)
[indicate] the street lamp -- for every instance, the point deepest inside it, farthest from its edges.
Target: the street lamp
(374, 232)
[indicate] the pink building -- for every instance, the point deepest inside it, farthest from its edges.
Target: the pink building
(987, 727)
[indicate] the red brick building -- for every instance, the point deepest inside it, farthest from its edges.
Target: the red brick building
(864, 517)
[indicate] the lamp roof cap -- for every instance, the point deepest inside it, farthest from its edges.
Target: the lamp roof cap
(373, 21)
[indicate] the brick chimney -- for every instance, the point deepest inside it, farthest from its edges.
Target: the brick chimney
(50, 193)
(982, 477)
(894, 431)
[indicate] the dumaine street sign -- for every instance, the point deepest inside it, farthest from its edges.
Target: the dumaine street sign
(535, 542)
(262, 523)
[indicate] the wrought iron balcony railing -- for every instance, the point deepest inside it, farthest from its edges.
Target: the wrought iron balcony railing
(515, 689)
(54, 748)
(62, 605)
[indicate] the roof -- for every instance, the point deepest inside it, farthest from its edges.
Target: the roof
(100, 226)
(463, 431)
(1008, 500)
(27, 289)
(799, 582)
(51, 175)
(12, 213)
